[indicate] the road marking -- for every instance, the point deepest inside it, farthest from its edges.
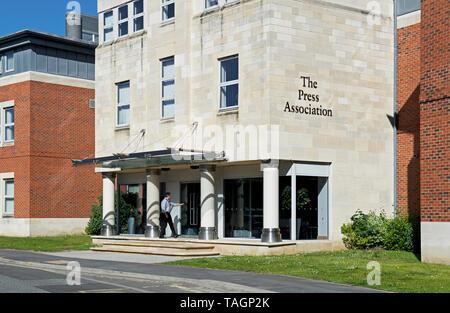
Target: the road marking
(58, 262)
(185, 288)
(116, 285)
(102, 290)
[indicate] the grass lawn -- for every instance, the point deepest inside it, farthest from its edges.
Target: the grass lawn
(400, 271)
(47, 244)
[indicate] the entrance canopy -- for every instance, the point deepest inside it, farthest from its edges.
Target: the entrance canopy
(159, 158)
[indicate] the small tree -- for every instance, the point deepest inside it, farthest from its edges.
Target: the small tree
(127, 209)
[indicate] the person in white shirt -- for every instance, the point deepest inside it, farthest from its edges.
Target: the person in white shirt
(166, 208)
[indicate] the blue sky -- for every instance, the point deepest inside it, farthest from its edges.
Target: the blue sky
(41, 15)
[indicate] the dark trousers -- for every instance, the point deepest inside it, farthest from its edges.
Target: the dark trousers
(164, 220)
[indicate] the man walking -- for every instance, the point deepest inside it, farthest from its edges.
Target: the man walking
(166, 208)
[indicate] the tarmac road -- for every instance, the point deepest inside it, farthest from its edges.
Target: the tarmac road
(30, 272)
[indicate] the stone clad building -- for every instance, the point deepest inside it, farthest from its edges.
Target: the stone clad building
(46, 84)
(269, 118)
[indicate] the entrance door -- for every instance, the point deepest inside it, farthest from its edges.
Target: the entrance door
(190, 212)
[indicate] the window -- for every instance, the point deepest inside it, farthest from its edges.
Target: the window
(211, 3)
(229, 82)
(9, 62)
(168, 88)
(123, 104)
(123, 21)
(8, 197)
(108, 26)
(88, 36)
(168, 9)
(9, 124)
(138, 15)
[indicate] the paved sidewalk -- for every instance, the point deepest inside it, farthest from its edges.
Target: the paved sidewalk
(115, 257)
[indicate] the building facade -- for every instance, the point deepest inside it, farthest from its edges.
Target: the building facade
(423, 118)
(46, 88)
(270, 119)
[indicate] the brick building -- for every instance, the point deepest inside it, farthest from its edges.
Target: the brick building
(47, 119)
(423, 174)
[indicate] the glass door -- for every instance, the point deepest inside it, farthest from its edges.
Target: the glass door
(190, 212)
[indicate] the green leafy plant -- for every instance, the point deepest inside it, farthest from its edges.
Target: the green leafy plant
(399, 234)
(303, 198)
(369, 230)
(127, 209)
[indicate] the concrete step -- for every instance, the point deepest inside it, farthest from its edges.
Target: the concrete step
(157, 244)
(157, 251)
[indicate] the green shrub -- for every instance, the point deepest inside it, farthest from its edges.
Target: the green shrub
(127, 209)
(399, 234)
(365, 231)
(94, 227)
(369, 230)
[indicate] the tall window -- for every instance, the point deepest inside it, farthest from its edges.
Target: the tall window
(123, 104)
(9, 124)
(8, 197)
(123, 21)
(108, 26)
(9, 62)
(138, 15)
(168, 9)
(168, 88)
(211, 3)
(229, 82)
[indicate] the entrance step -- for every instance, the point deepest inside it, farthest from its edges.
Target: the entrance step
(154, 247)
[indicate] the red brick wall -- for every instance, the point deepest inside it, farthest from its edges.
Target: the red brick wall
(53, 125)
(16, 158)
(62, 129)
(435, 111)
(408, 134)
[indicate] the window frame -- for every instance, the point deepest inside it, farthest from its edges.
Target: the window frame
(6, 197)
(165, 80)
(108, 26)
(139, 15)
(5, 124)
(120, 105)
(228, 83)
(6, 61)
(167, 3)
(3, 107)
(126, 21)
(206, 7)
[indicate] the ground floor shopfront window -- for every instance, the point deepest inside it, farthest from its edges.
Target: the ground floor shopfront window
(244, 208)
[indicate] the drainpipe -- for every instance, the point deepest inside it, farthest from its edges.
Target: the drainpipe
(395, 107)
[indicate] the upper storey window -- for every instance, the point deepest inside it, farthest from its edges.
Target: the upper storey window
(138, 15)
(229, 82)
(214, 3)
(108, 26)
(123, 21)
(211, 3)
(168, 9)
(7, 62)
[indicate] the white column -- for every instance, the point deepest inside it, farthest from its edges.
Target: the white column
(153, 205)
(108, 204)
(271, 231)
(208, 204)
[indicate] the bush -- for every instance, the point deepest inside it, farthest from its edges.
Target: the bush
(365, 231)
(127, 209)
(399, 234)
(368, 231)
(94, 227)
